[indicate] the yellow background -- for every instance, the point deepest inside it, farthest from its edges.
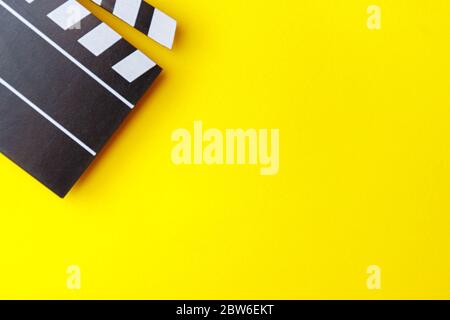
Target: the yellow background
(364, 119)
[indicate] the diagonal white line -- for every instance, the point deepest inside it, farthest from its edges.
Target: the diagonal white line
(66, 54)
(46, 116)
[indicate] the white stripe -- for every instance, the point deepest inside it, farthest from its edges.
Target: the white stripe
(69, 15)
(46, 116)
(134, 66)
(163, 29)
(67, 55)
(127, 10)
(99, 39)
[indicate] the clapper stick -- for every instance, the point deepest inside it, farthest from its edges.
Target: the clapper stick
(67, 81)
(147, 19)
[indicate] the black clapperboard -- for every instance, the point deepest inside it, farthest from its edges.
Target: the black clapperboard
(67, 81)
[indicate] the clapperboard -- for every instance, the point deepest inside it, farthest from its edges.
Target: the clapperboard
(67, 81)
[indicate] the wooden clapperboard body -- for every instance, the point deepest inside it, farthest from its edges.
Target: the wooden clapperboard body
(67, 81)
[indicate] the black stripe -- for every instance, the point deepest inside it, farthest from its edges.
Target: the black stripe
(39, 147)
(108, 5)
(145, 17)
